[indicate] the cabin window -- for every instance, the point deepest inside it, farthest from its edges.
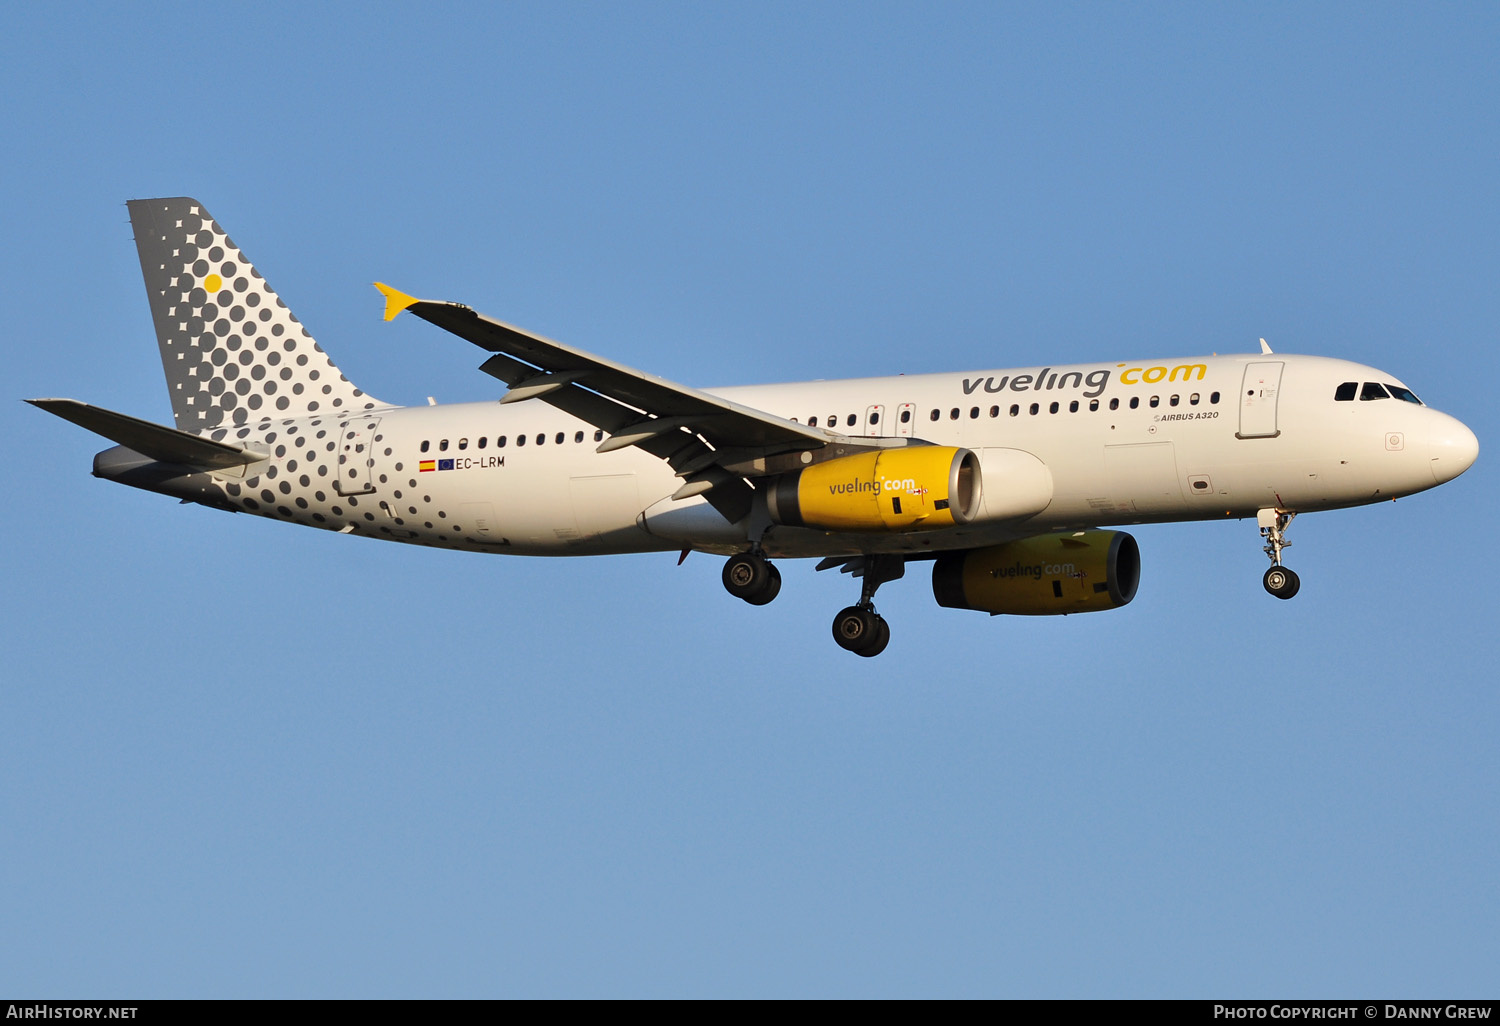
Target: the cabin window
(562, 436)
(1073, 406)
(1174, 400)
(443, 445)
(974, 413)
(852, 420)
(483, 441)
(1193, 399)
(1345, 392)
(541, 439)
(906, 416)
(1135, 402)
(1114, 404)
(994, 411)
(463, 443)
(1015, 410)
(1214, 399)
(875, 418)
(1052, 408)
(1035, 409)
(520, 439)
(1404, 394)
(1372, 390)
(500, 442)
(1093, 405)
(577, 437)
(953, 413)
(426, 445)
(1155, 401)
(934, 415)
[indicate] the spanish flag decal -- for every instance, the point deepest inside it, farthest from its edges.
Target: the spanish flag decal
(426, 465)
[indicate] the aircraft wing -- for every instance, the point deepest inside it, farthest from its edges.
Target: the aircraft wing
(668, 420)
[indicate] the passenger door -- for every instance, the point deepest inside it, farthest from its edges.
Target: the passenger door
(1258, 394)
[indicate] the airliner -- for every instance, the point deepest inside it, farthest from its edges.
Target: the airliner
(1008, 482)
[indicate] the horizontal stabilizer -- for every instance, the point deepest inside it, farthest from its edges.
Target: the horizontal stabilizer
(164, 444)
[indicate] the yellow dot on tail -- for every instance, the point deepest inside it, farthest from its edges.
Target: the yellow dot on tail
(213, 283)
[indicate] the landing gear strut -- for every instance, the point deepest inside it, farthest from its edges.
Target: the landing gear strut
(752, 577)
(858, 628)
(1279, 581)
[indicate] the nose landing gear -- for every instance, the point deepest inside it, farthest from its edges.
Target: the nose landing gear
(1278, 581)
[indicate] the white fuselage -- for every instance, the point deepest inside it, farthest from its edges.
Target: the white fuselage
(1165, 440)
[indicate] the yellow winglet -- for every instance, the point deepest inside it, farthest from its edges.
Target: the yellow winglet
(395, 300)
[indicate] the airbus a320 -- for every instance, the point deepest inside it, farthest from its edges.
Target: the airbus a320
(1005, 481)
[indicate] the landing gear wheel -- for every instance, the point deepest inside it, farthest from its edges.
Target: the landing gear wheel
(749, 577)
(771, 589)
(854, 628)
(1281, 582)
(861, 630)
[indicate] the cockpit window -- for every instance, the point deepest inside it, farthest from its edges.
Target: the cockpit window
(1404, 394)
(1372, 390)
(1345, 392)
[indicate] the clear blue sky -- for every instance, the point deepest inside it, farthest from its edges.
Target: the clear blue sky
(241, 759)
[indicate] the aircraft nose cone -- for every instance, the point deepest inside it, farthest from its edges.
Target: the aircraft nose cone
(1453, 449)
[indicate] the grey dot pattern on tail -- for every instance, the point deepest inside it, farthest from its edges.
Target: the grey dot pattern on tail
(232, 351)
(241, 368)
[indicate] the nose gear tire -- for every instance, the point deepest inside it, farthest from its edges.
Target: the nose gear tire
(1281, 582)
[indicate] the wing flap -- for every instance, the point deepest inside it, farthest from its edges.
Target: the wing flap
(676, 444)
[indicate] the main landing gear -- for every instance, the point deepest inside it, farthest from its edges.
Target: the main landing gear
(1279, 581)
(752, 577)
(861, 630)
(857, 628)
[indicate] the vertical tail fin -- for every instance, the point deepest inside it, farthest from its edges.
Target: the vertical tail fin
(232, 351)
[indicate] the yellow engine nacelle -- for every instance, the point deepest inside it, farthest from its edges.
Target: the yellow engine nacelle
(1052, 573)
(916, 488)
